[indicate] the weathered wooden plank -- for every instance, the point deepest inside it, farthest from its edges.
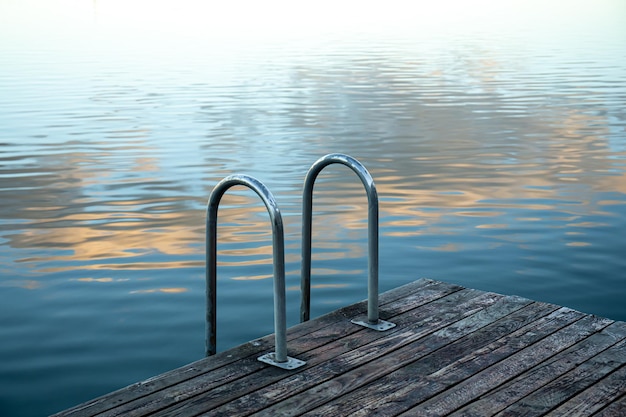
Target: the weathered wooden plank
(617, 408)
(436, 373)
(342, 353)
(225, 383)
(541, 383)
(372, 398)
(371, 371)
(422, 287)
(411, 329)
(454, 351)
(608, 389)
(329, 331)
(476, 385)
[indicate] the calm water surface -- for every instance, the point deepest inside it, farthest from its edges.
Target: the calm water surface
(496, 136)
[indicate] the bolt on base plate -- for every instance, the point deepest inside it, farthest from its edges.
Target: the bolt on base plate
(290, 363)
(380, 325)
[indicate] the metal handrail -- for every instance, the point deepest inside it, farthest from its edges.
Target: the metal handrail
(279, 357)
(373, 320)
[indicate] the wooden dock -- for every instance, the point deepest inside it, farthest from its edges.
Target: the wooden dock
(454, 351)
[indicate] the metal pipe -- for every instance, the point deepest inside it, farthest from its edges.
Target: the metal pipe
(372, 228)
(280, 323)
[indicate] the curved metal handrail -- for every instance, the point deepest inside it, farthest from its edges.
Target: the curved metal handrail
(373, 320)
(278, 358)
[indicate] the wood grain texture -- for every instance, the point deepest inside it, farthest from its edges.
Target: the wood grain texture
(605, 391)
(340, 356)
(617, 408)
(553, 381)
(157, 392)
(454, 351)
(501, 372)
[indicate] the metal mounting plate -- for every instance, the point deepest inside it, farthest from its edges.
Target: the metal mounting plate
(380, 326)
(291, 363)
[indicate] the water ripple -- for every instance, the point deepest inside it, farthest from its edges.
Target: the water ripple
(498, 149)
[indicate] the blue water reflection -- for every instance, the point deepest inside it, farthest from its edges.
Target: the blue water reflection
(497, 142)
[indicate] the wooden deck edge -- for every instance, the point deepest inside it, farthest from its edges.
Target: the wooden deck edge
(250, 349)
(429, 314)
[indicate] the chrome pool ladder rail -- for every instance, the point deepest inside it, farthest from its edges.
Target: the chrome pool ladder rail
(372, 320)
(278, 358)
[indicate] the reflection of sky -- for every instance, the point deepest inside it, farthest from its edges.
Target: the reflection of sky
(498, 159)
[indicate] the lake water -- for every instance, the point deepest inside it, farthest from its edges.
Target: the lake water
(495, 133)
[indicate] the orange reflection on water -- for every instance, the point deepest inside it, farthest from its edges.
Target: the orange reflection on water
(414, 201)
(27, 284)
(449, 247)
(578, 244)
(252, 277)
(160, 290)
(102, 279)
